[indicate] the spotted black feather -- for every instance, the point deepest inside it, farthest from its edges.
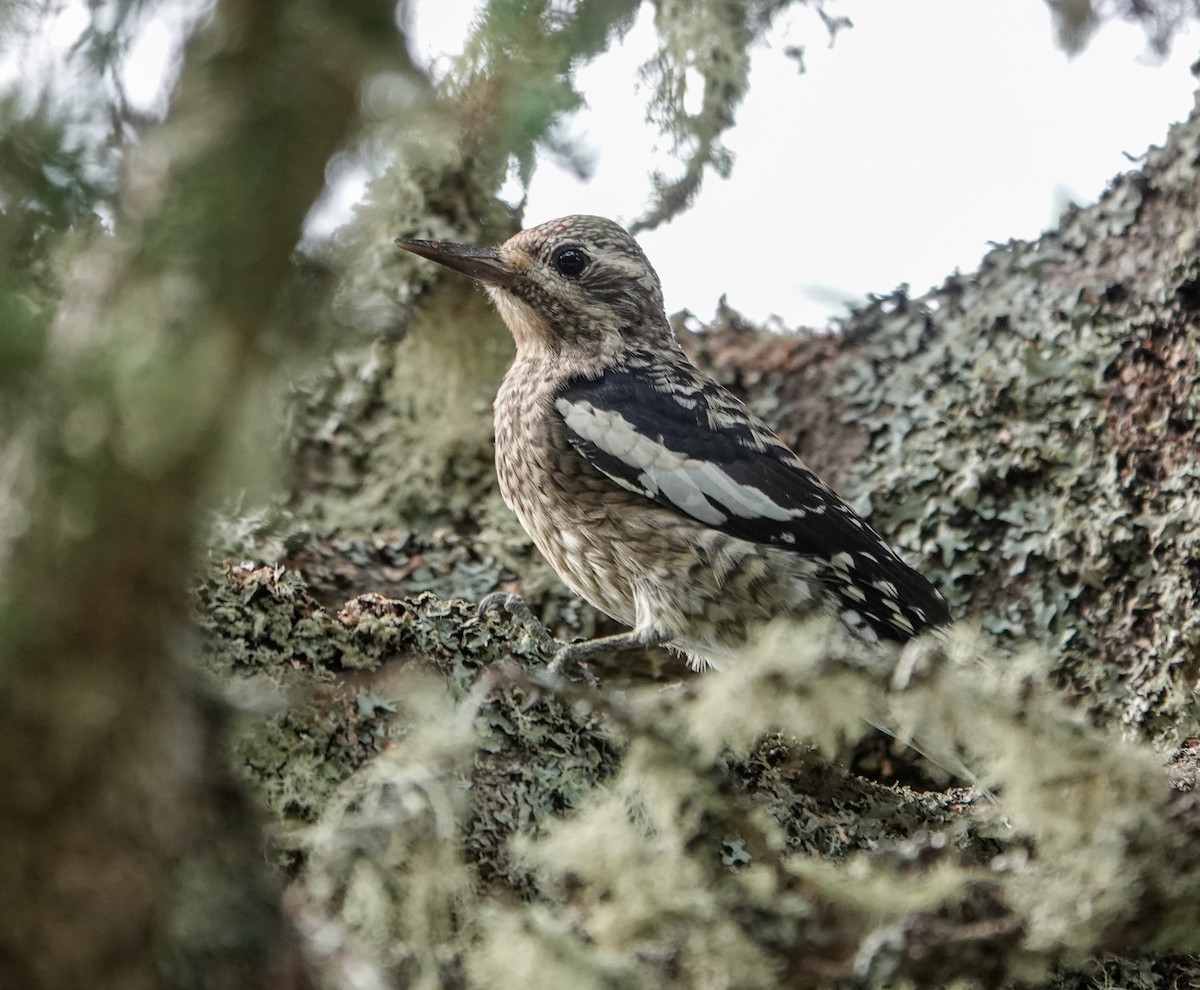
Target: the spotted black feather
(688, 444)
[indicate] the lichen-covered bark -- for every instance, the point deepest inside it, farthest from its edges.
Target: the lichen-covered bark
(1029, 433)
(1048, 415)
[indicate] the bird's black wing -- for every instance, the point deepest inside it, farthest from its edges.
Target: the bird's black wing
(684, 442)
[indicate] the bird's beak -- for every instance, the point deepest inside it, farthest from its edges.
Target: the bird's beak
(482, 263)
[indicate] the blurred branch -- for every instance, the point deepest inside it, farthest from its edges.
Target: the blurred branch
(1075, 21)
(520, 64)
(131, 860)
(710, 39)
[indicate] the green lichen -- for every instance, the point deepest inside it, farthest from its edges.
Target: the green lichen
(1028, 432)
(1047, 499)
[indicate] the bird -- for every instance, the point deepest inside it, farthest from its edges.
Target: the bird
(653, 491)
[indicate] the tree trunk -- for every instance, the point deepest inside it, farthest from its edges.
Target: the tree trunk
(1029, 435)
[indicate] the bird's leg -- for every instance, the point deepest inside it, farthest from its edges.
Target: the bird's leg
(572, 654)
(566, 655)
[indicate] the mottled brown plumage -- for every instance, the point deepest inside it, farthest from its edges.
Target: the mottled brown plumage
(646, 565)
(654, 492)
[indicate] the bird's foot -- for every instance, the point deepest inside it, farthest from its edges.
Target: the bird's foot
(514, 605)
(567, 663)
(568, 660)
(573, 654)
(567, 656)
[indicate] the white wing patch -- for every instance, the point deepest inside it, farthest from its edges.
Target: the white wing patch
(692, 485)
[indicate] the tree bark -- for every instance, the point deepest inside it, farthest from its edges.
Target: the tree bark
(1030, 435)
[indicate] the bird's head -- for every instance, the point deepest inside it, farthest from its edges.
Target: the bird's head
(579, 282)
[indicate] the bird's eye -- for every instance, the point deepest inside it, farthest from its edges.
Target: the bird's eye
(569, 261)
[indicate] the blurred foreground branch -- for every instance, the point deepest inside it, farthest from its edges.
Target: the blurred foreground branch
(131, 861)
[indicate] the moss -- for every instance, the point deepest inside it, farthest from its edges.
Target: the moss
(1047, 412)
(1134, 972)
(468, 820)
(1029, 432)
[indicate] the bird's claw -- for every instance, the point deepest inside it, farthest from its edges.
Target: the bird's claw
(514, 605)
(503, 601)
(565, 662)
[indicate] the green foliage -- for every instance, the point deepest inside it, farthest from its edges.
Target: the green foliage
(528, 51)
(117, 792)
(51, 183)
(106, 38)
(50, 180)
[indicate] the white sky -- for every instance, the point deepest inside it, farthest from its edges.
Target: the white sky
(931, 128)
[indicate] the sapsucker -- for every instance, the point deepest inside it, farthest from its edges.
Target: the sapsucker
(652, 490)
